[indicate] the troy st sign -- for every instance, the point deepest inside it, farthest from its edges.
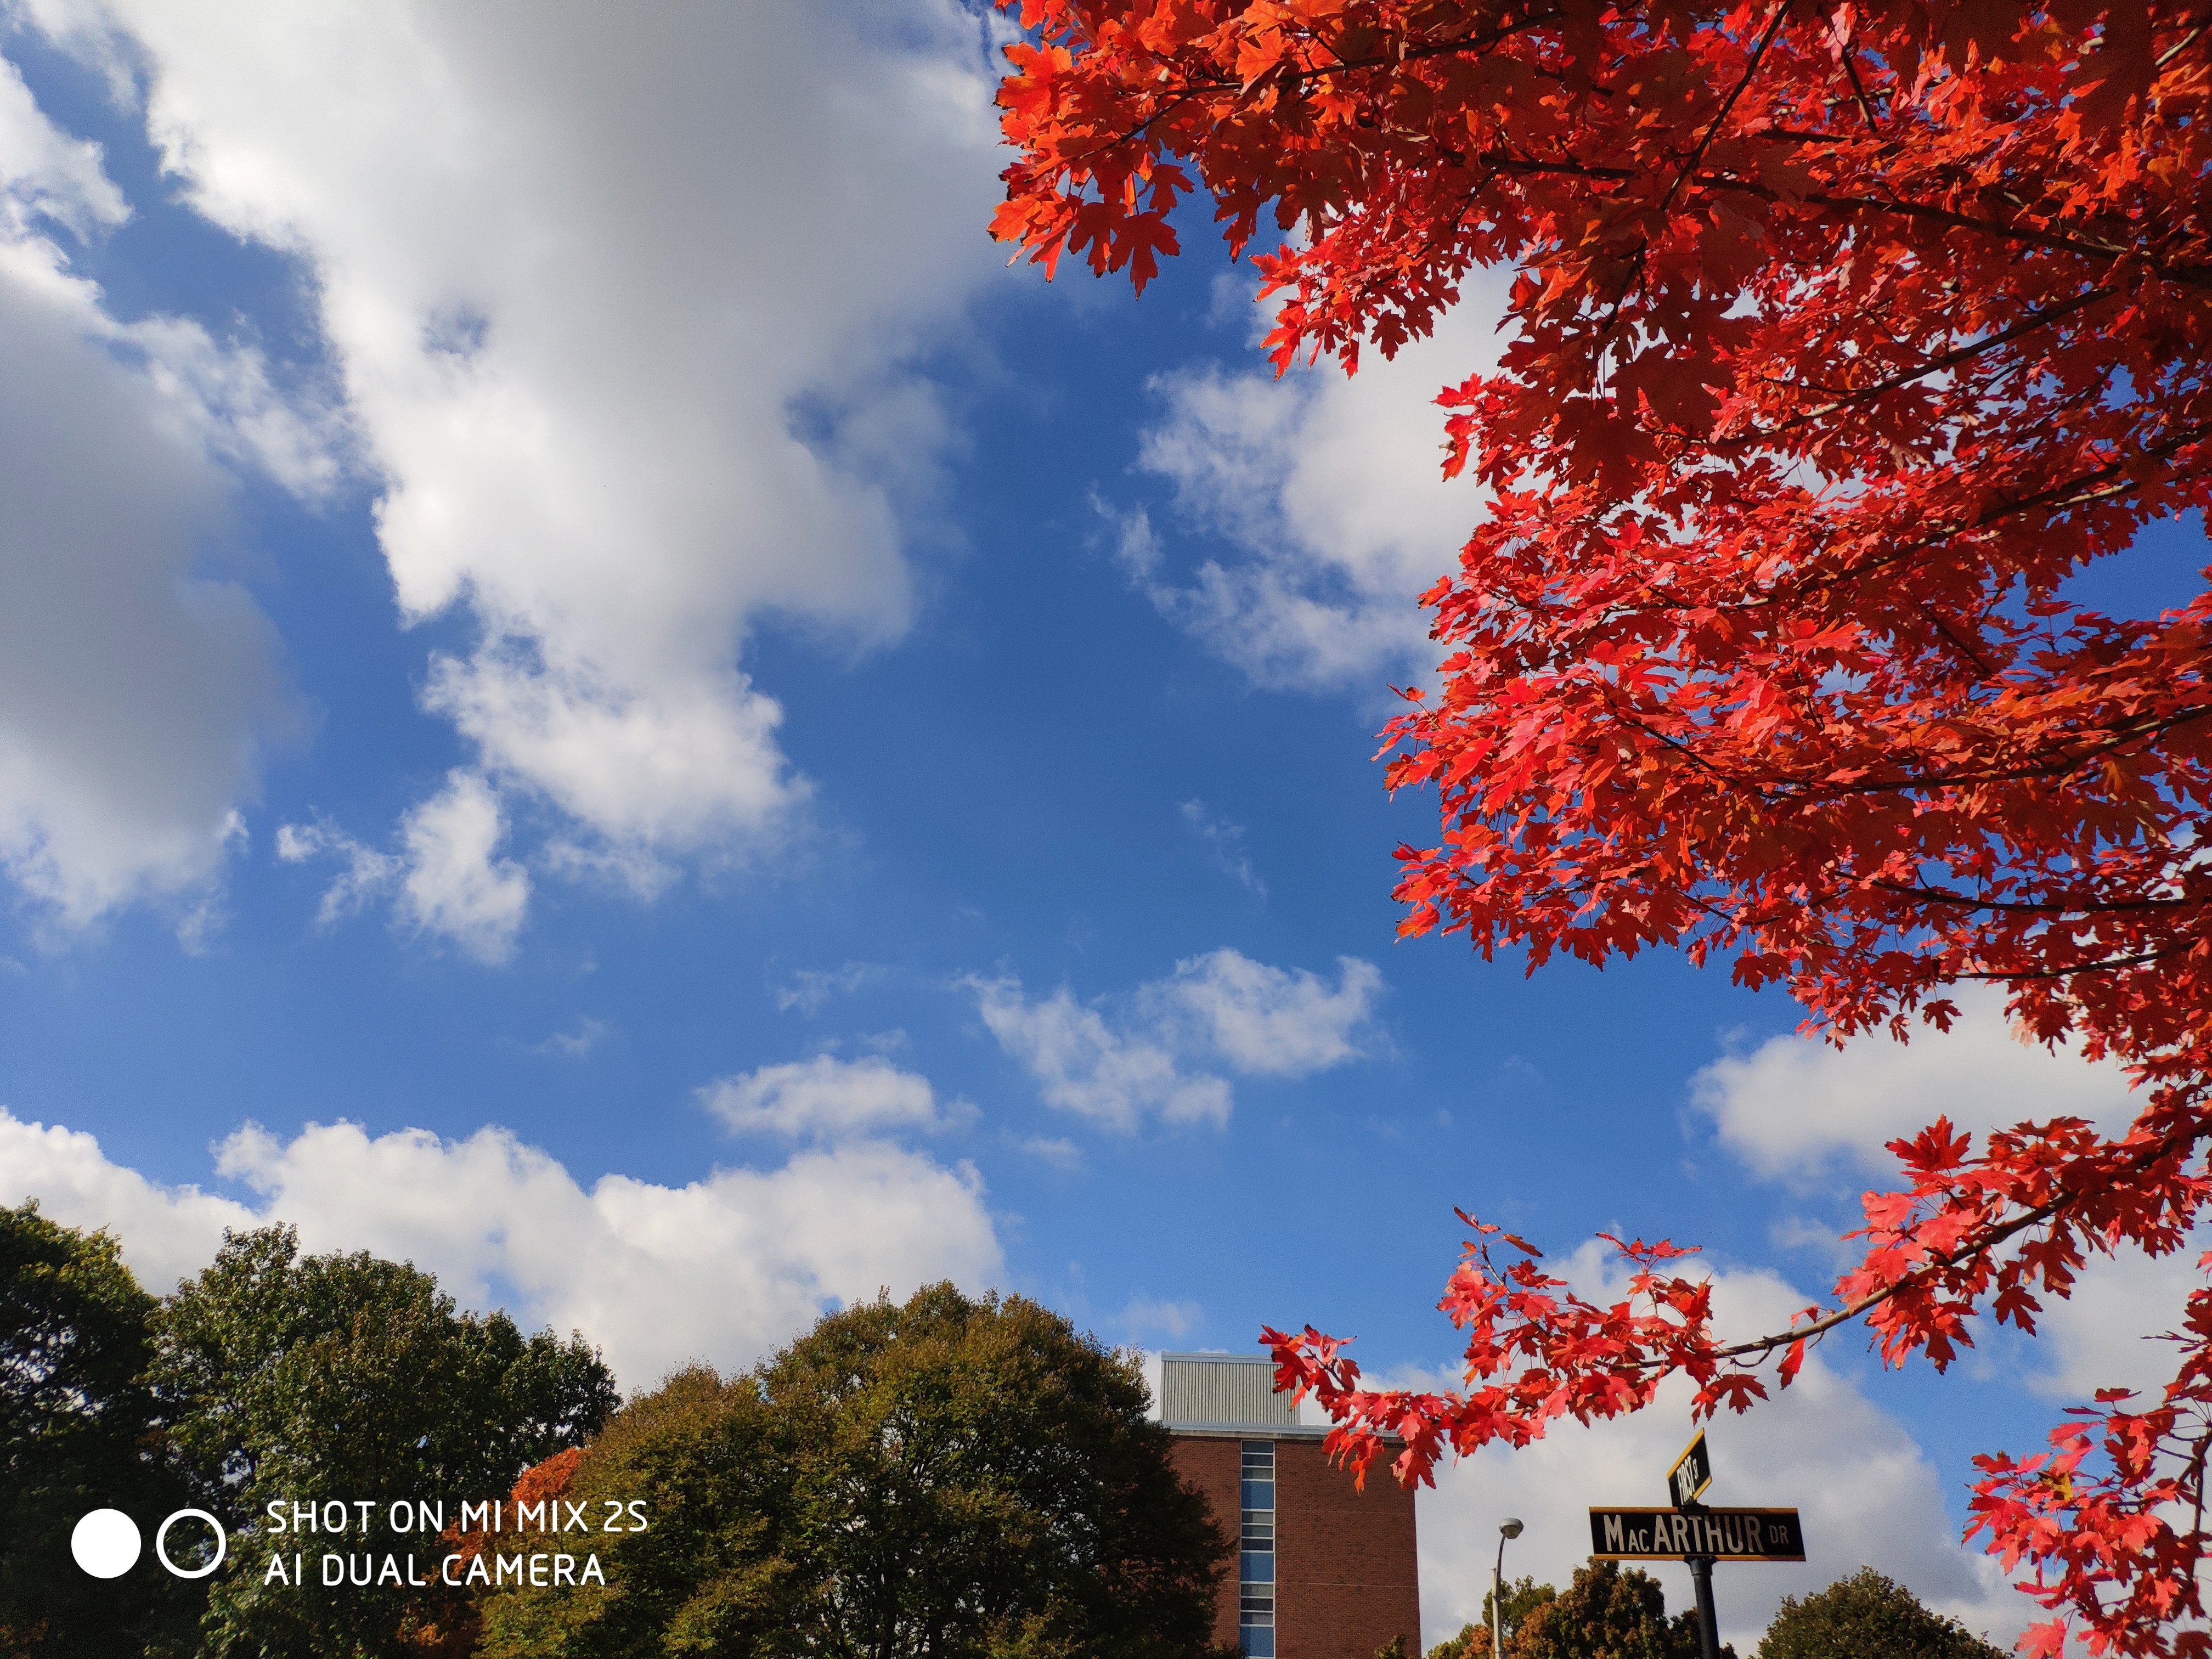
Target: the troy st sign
(1639, 1535)
(1692, 1473)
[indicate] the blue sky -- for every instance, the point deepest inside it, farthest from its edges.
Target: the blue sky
(597, 694)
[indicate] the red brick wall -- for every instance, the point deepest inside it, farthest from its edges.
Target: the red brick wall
(1346, 1581)
(1212, 1466)
(1345, 1578)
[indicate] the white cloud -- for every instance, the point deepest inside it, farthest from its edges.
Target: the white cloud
(138, 682)
(1082, 1065)
(723, 1268)
(2110, 1332)
(445, 881)
(1273, 1021)
(166, 1232)
(454, 886)
(1150, 1058)
(1795, 1107)
(1868, 1493)
(826, 1098)
(45, 175)
(1226, 843)
(1329, 491)
(577, 1043)
(1055, 1151)
(367, 871)
(626, 318)
(810, 989)
(1143, 1313)
(692, 764)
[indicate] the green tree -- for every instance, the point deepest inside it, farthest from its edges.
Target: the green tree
(308, 1379)
(941, 1479)
(1608, 1613)
(973, 1477)
(705, 1576)
(1868, 1616)
(81, 1429)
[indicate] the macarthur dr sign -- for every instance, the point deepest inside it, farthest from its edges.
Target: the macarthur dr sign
(1640, 1534)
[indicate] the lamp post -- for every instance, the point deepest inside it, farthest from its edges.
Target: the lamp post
(1507, 1529)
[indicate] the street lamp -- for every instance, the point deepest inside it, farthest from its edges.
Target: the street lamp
(1509, 1528)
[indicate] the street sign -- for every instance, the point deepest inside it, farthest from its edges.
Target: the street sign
(1692, 1473)
(1641, 1535)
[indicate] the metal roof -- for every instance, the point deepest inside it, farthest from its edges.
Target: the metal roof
(1222, 1391)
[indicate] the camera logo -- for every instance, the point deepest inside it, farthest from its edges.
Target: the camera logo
(106, 1543)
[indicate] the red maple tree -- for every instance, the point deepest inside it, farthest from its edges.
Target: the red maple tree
(1841, 335)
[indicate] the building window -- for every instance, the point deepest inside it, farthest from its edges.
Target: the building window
(1255, 1559)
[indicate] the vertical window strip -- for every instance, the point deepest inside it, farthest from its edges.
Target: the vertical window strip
(1255, 1572)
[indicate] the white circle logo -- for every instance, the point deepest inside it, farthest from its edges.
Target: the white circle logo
(106, 1543)
(222, 1543)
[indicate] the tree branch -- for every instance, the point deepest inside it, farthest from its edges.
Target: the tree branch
(1712, 131)
(1941, 1262)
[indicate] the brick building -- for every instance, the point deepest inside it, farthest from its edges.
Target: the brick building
(1325, 1570)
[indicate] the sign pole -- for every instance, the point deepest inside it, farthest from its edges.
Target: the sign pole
(1709, 1636)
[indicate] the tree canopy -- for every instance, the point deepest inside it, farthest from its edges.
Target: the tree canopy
(81, 1429)
(946, 1478)
(708, 1574)
(1523, 1596)
(1867, 1616)
(1840, 342)
(1608, 1612)
(271, 1375)
(306, 1377)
